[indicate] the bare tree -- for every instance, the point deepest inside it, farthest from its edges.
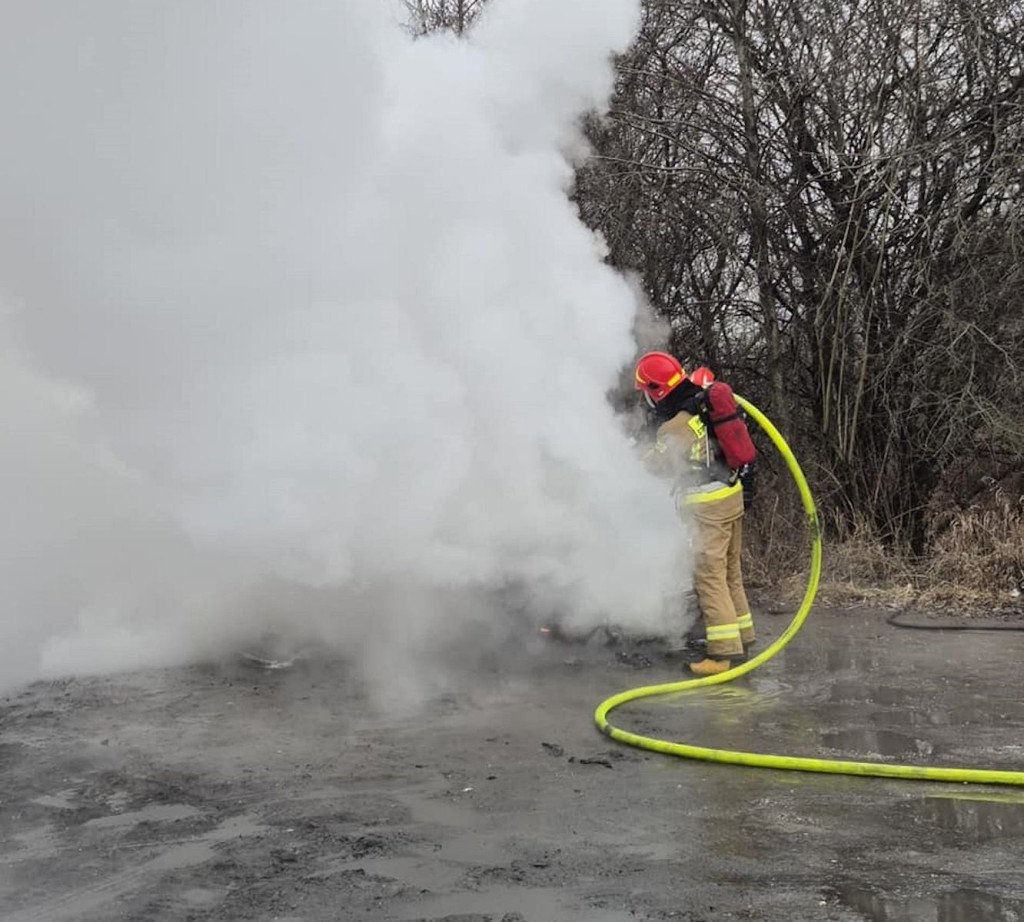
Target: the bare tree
(427, 16)
(825, 200)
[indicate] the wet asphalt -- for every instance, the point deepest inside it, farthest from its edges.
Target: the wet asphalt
(221, 791)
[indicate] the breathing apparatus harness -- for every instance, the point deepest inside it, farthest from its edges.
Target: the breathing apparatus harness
(728, 451)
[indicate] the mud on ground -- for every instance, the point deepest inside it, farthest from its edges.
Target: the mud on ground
(224, 792)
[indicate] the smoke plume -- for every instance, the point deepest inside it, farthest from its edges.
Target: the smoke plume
(299, 328)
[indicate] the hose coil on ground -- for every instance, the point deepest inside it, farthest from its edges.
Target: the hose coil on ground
(760, 760)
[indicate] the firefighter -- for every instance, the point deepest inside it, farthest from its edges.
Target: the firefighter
(709, 492)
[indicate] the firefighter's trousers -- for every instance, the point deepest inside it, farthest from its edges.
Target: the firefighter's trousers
(718, 575)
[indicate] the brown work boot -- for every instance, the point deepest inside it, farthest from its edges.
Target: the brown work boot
(711, 666)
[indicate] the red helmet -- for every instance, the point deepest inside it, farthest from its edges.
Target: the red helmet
(657, 375)
(702, 376)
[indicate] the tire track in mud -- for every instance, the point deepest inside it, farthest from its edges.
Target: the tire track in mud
(84, 900)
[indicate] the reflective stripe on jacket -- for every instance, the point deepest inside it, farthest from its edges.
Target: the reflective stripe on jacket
(682, 451)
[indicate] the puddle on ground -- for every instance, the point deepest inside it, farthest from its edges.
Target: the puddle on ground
(69, 907)
(955, 906)
(920, 706)
(654, 851)
(201, 898)
(33, 844)
(855, 692)
(723, 700)
(973, 820)
(530, 903)
(62, 800)
(236, 827)
(158, 813)
(411, 871)
(472, 849)
(438, 809)
(877, 742)
(467, 848)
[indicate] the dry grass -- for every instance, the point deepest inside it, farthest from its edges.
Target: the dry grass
(975, 558)
(982, 548)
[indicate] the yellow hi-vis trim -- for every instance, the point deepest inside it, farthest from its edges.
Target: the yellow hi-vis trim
(672, 382)
(745, 621)
(723, 631)
(711, 495)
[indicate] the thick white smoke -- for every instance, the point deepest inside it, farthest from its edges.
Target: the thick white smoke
(288, 298)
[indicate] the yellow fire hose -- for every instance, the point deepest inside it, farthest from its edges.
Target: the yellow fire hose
(759, 760)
